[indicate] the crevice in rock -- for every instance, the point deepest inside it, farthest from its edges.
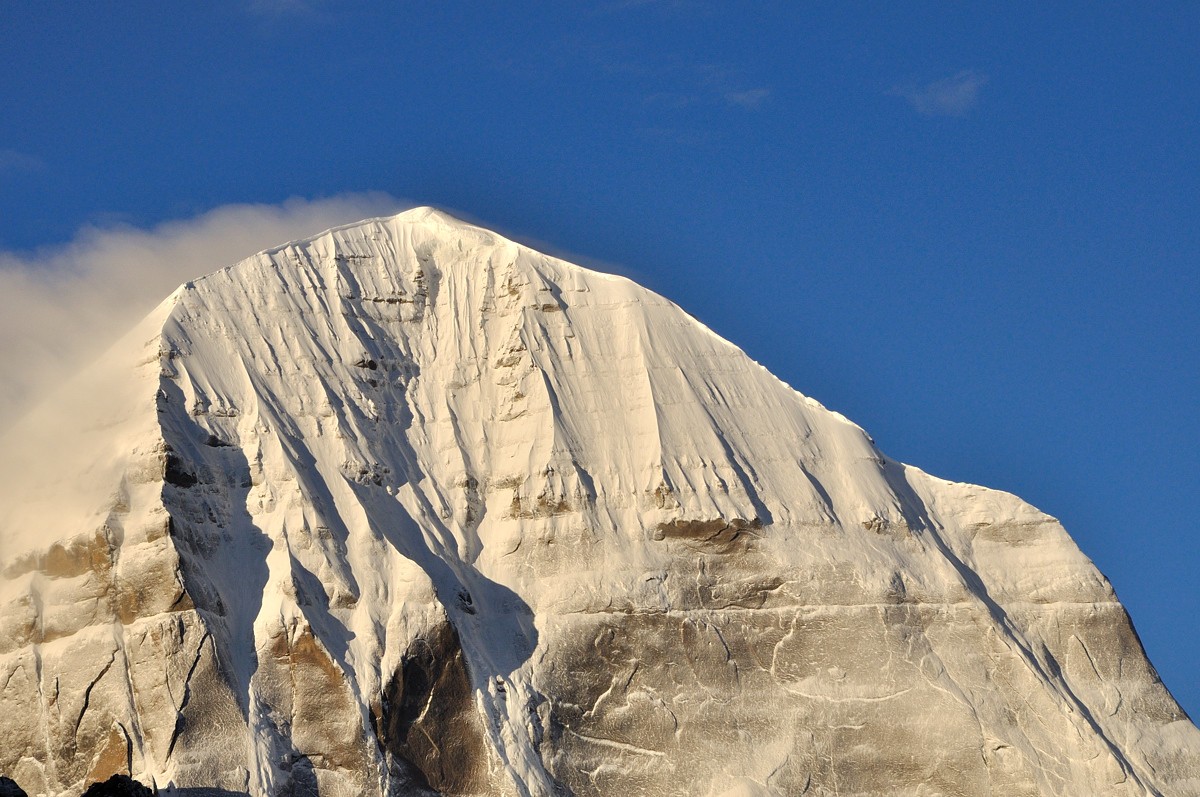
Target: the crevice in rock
(187, 694)
(87, 694)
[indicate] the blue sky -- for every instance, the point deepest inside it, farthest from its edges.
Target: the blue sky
(973, 230)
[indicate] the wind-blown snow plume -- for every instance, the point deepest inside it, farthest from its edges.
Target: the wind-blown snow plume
(61, 305)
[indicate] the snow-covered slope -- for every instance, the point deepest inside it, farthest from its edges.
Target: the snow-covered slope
(411, 507)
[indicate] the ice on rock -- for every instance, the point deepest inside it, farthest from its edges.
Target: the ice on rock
(409, 508)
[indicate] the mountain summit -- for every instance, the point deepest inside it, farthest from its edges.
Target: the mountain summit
(409, 508)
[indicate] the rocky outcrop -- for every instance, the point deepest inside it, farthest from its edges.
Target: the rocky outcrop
(411, 509)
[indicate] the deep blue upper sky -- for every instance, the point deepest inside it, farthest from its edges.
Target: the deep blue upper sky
(973, 231)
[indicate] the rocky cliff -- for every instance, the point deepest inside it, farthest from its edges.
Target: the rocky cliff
(409, 508)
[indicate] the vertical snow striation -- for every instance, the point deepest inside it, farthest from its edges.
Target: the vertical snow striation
(408, 508)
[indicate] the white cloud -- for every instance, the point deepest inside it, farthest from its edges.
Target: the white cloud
(62, 304)
(671, 100)
(674, 5)
(13, 161)
(951, 96)
(751, 98)
(280, 7)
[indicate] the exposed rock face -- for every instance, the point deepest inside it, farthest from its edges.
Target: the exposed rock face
(411, 509)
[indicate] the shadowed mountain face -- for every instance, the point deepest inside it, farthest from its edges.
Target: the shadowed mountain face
(411, 509)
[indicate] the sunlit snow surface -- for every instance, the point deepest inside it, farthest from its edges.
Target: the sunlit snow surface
(410, 506)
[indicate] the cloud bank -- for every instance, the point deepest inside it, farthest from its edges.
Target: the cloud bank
(61, 305)
(951, 96)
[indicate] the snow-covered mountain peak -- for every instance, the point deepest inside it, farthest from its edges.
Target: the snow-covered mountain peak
(409, 506)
